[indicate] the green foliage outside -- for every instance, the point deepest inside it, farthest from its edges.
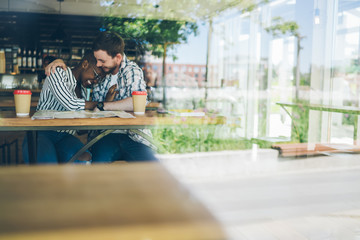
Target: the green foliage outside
(152, 34)
(354, 67)
(195, 138)
(300, 123)
(281, 27)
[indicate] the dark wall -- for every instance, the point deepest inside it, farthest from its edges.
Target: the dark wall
(52, 31)
(33, 30)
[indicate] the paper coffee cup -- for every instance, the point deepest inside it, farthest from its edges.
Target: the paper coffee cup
(22, 102)
(139, 101)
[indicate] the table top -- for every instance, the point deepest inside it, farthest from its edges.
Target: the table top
(9, 122)
(322, 107)
(116, 201)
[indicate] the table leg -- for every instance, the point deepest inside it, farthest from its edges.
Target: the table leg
(89, 144)
(103, 134)
(32, 146)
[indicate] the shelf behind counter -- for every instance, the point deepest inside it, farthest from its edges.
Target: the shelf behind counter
(19, 81)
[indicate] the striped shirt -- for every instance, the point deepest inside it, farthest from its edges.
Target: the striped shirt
(58, 93)
(129, 78)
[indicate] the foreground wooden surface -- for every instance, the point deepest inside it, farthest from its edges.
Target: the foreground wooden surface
(117, 201)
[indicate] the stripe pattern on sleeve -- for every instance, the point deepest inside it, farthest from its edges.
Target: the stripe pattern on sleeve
(58, 93)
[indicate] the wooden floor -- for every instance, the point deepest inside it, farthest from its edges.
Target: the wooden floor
(257, 196)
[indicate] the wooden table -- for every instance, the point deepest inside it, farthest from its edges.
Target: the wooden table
(9, 122)
(117, 201)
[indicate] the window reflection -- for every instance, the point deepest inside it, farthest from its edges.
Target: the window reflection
(258, 69)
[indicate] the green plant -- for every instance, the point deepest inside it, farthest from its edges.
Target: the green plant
(152, 35)
(195, 138)
(300, 123)
(348, 119)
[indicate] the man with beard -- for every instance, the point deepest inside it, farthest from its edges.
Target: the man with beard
(125, 145)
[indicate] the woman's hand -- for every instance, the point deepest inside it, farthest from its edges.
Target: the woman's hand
(111, 93)
(53, 65)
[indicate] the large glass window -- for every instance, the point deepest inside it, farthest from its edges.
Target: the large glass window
(316, 64)
(345, 68)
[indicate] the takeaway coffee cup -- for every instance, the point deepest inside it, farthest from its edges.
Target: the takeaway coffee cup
(139, 101)
(22, 102)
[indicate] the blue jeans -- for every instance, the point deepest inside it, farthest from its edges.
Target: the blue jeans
(54, 147)
(118, 146)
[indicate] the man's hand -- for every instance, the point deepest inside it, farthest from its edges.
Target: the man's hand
(111, 93)
(53, 65)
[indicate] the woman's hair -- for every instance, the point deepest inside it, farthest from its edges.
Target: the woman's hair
(89, 56)
(49, 59)
(110, 42)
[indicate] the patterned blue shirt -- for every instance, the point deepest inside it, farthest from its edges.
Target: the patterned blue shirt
(129, 78)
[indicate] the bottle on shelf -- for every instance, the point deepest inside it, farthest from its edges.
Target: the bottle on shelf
(39, 59)
(15, 66)
(34, 61)
(14, 55)
(29, 59)
(19, 57)
(24, 59)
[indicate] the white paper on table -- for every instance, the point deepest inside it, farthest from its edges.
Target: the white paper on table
(50, 114)
(44, 114)
(120, 114)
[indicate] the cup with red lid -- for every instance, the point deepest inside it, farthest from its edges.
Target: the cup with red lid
(22, 102)
(139, 102)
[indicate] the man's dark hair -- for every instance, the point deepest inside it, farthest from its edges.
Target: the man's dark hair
(110, 42)
(89, 56)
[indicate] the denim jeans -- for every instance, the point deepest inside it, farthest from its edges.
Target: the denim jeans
(118, 146)
(54, 147)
